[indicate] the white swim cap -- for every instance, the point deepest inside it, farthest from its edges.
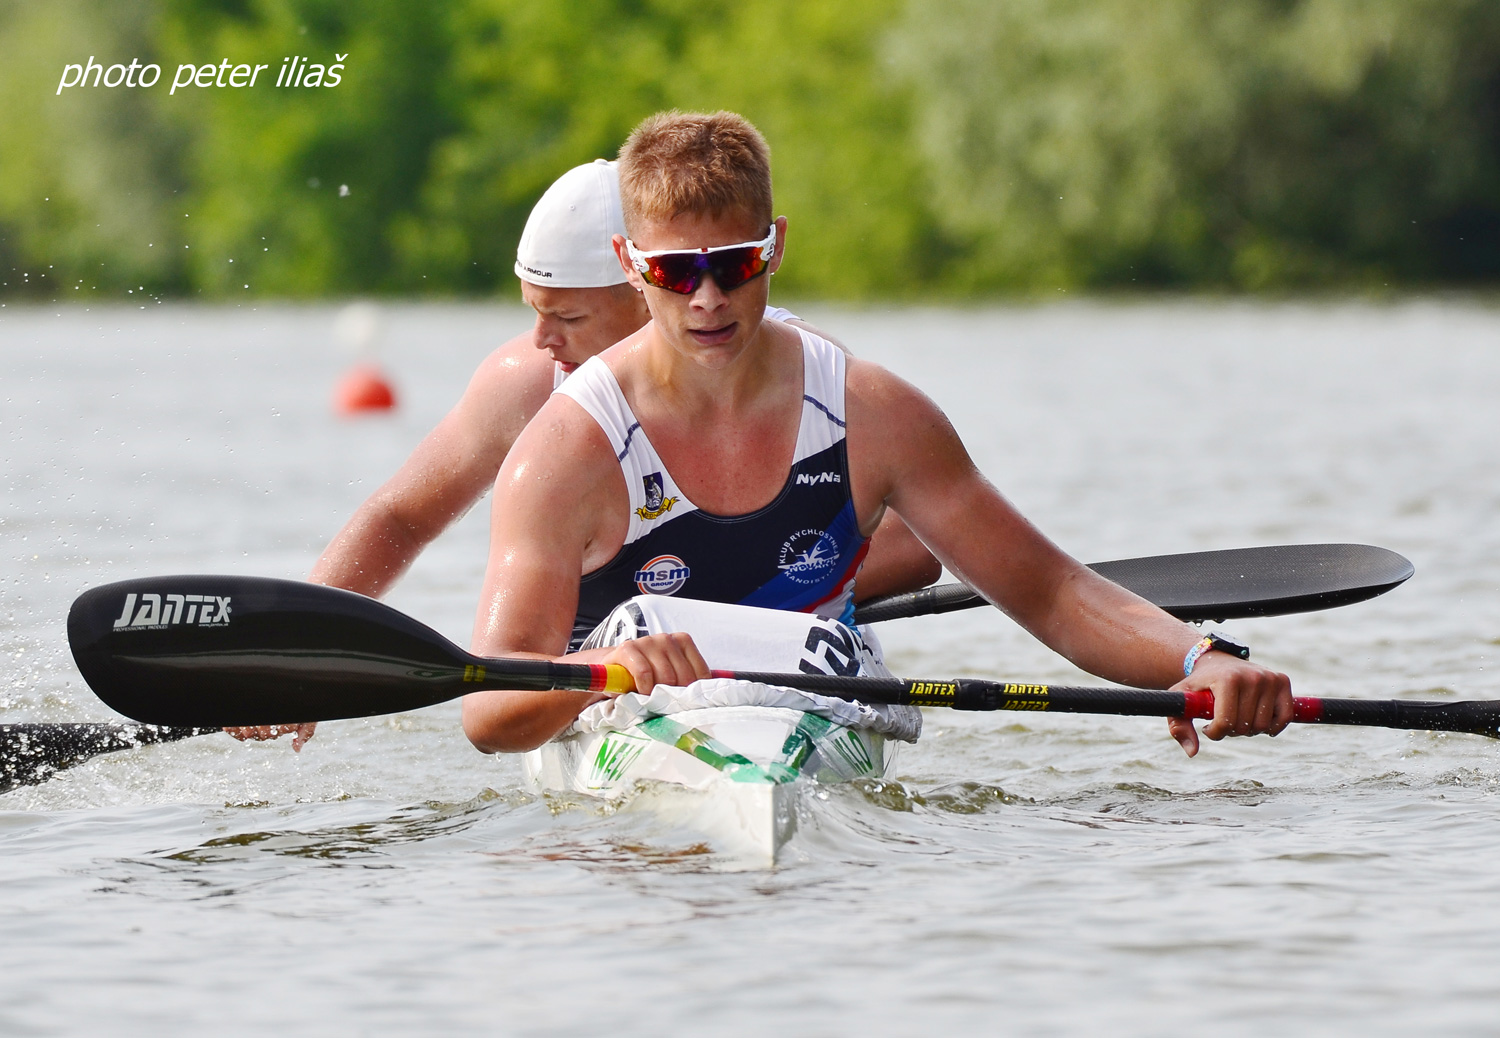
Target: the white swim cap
(566, 243)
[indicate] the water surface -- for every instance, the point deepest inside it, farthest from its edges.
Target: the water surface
(1028, 874)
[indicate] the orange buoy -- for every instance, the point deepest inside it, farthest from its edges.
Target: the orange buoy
(363, 388)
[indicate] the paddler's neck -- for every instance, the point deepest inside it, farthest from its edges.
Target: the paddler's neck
(692, 379)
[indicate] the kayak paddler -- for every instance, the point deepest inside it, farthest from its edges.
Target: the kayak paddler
(584, 303)
(722, 456)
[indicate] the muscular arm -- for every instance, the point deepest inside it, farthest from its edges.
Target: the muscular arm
(540, 531)
(982, 538)
(903, 450)
(448, 472)
(553, 520)
(897, 561)
(442, 479)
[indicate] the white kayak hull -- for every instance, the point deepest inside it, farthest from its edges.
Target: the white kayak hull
(736, 773)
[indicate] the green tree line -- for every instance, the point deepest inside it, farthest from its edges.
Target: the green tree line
(941, 148)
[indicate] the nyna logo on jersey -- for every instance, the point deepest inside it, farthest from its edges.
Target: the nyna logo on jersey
(203, 610)
(808, 556)
(663, 575)
(657, 503)
(814, 478)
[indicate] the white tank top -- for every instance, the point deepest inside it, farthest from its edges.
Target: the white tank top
(800, 552)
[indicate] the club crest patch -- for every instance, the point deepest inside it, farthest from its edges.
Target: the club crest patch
(808, 556)
(657, 504)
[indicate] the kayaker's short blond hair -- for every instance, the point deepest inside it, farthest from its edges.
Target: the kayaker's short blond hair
(676, 163)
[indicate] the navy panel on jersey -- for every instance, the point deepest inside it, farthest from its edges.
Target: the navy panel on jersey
(800, 552)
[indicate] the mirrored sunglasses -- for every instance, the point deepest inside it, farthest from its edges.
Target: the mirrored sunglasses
(682, 270)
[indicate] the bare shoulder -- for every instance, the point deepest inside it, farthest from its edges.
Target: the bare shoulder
(562, 486)
(517, 357)
(797, 322)
(509, 386)
(562, 448)
(872, 392)
(894, 431)
(515, 379)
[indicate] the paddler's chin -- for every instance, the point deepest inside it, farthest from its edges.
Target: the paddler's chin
(713, 348)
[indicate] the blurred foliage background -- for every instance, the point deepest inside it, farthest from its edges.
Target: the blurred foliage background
(949, 148)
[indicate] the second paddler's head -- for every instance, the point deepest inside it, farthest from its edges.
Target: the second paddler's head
(695, 190)
(568, 270)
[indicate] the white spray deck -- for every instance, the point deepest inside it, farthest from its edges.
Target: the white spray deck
(743, 768)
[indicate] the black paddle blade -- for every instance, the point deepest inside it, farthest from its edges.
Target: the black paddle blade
(32, 753)
(212, 651)
(1209, 585)
(1267, 581)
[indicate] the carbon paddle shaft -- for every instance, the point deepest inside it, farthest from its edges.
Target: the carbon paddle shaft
(1273, 580)
(1472, 717)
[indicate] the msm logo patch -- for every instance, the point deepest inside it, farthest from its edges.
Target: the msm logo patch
(663, 575)
(165, 610)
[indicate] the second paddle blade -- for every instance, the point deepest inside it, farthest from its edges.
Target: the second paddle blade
(225, 650)
(1274, 580)
(1229, 584)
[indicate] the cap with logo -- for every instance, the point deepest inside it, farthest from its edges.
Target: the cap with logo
(566, 243)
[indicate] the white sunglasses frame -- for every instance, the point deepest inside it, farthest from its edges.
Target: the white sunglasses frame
(767, 246)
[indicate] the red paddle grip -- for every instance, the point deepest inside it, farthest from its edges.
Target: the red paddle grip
(1200, 705)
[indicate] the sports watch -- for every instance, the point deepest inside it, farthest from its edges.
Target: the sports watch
(1213, 641)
